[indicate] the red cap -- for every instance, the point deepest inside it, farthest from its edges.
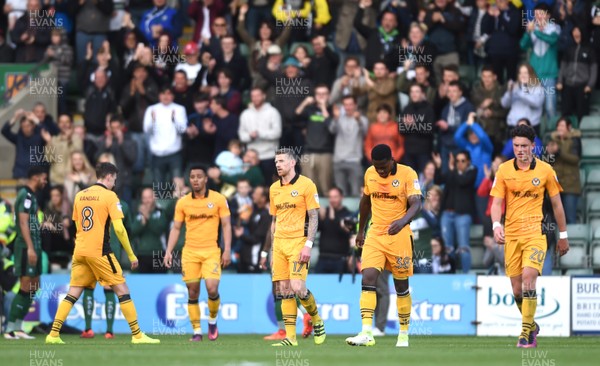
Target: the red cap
(190, 48)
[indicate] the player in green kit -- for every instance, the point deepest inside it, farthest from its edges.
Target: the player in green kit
(27, 250)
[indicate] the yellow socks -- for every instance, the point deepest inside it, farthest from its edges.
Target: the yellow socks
(194, 314)
(404, 304)
(290, 313)
(368, 302)
(213, 309)
(61, 314)
(128, 310)
(310, 305)
(529, 306)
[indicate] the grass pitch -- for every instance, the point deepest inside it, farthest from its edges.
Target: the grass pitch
(252, 350)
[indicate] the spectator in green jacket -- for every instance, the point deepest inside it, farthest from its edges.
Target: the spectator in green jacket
(149, 227)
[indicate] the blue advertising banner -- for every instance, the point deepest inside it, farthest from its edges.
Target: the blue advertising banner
(441, 305)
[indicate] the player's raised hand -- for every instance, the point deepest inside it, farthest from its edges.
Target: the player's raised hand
(226, 258)
(305, 255)
(360, 240)
(396, 226)
(135, 264)
(562, 247)
(499, 235)
(168, 259)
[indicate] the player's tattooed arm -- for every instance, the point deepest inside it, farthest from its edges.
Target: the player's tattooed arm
(313, 224)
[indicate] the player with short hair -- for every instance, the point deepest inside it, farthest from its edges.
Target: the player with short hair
(522, 183)
(94, 209)
(392, 195)
(27, 250)
(202, 210)
(293, 200)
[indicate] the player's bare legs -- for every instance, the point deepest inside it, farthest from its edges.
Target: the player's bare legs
(404, 305)
(194, 309)
(368, 302)
(524, 291)
(214, 301)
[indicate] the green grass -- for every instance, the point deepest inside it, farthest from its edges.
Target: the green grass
(252, 350)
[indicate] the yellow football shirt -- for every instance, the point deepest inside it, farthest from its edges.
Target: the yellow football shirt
(289, 202)
(389, 196)
(523, 192)
(93, 210)
(202, 216)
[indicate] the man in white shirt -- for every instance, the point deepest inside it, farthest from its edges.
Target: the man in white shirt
(164, 124)
(192, 65)
(260, 129)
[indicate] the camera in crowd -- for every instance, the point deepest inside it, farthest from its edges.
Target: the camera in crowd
(351, 223)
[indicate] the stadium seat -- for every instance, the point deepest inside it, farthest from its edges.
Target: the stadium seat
(477, 253)
(578, 254)
(578, 233)
(591, 149)
(595, 249)
(476, 235)
(244, 50)
(592, 205)
(590, 125)
(582, 176)
(352, 203)
(592, 181)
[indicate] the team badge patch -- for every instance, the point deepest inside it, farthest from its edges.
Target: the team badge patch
(395, 183)
(294, 193)
(210, 205)
(535, 182)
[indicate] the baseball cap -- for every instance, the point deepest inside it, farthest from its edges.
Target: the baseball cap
(292, 61)
(274, 50)
(190, 48)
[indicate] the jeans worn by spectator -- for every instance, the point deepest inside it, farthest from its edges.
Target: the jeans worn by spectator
(165, 168)
(348, 176)
(331, 264)
(549, 85)
(569, 202)
(456, 234)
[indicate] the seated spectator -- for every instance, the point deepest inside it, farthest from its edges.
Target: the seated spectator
(31, 41)
(384, 131)
(381, 90)
(227, 124)
(350, 129)
(158, 20)
(164, 123)
(493, 257)
(458, 205)
(441, 261)
(56, 238)
(119, 143)
(204, 14)
(229, 161)
(486, 97)
(28, 141)
(564, 150)
(253, 237)
(192, 65)
(416, 126)
(317, 158)
(334, 243)
(453, 115)
(79, 176)
(60, 147)
(149, 227)
(577, 76)
(260, 130)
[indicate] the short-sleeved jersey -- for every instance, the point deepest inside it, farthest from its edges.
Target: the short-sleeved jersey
(27, 203)
(389, 196)
(202, 217)
(93, 210)
(523, 192)
(290, 203)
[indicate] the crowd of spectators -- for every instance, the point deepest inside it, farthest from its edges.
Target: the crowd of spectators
(166, 84)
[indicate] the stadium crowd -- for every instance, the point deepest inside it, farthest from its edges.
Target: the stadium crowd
(441, 82)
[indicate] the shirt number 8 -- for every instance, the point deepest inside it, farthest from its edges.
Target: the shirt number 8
(87, 222)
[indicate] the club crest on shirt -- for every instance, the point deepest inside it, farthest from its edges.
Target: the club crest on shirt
(535, 182)
(395, 183)
(210, 205)
(294, 193)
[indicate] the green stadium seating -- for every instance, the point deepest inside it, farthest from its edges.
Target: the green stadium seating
(590, 125)
(578, 245)
(595, 248)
